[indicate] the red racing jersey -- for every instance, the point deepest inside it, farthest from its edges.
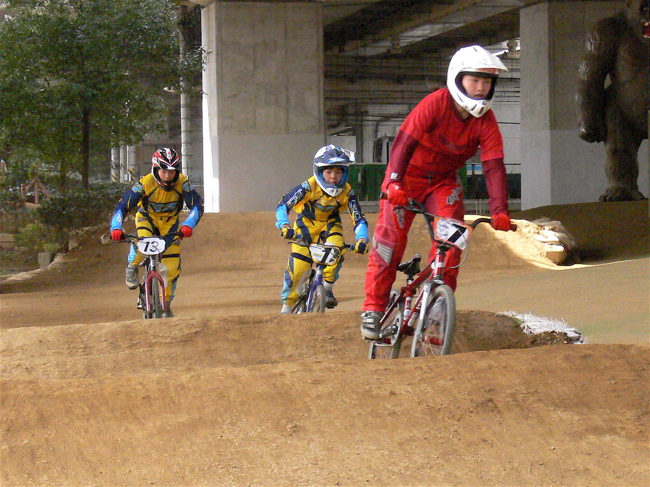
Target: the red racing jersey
(434, 142)
(444, 140)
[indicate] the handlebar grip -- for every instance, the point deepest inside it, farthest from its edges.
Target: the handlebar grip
(105, 238)
(475, 223)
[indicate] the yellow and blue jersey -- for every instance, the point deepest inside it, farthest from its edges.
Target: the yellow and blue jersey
(319, 214)
(158, 214)
(314, 206)
(158, 204)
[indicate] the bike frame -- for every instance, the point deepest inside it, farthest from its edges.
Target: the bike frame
(428, 279)
(151, 266)
(431, 274)
(151, 273)
(315, 279)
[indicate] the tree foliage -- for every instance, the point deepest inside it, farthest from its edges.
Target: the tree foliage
(81, 76)
(79, 208)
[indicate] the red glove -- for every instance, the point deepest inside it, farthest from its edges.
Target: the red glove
(117, 235)
(397, 194)
(501, 221)
(186, 231)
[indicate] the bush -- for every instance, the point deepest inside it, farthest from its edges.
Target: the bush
(79, 208)
(13, 261)
(13, 214)
(36, 237)
(68, 212)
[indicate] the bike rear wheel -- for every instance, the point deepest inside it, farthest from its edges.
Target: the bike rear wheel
(390, 336)
(142, 301)
(435, 328)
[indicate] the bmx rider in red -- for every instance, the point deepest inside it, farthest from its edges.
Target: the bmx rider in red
(442, 132)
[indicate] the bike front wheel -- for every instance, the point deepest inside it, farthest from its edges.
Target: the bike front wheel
(155, 308)
(390, 335)
(435, 328)
(300, 306)
(317, 302)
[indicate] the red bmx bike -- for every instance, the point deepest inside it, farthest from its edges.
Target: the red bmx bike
(425, 308)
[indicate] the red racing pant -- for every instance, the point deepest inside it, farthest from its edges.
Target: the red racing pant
(443, 197)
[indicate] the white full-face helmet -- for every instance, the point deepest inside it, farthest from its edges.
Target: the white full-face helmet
(476, 61)
(328, 157)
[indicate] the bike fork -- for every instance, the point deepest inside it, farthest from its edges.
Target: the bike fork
(316, 281)
(149, 295)
(417, 312)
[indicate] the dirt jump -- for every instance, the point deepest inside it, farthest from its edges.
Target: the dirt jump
(231, 393)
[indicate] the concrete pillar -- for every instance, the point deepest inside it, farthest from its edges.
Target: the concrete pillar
(186, 130)
(557, 166)
(115, 164)
(263, 103)
(133, 167)
(124, 175)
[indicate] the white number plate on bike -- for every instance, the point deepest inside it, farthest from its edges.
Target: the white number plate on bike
(456, 233)
(324, 254)
(151, 245)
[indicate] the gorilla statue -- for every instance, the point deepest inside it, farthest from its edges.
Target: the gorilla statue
(614, 94)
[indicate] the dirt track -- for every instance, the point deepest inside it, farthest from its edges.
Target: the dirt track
(231, 393)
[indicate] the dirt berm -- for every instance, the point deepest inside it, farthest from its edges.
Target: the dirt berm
(230, 393)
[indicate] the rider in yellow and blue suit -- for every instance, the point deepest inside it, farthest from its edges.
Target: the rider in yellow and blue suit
(318, 202)
(160, 197)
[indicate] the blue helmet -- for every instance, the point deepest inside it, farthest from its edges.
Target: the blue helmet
(328, 157)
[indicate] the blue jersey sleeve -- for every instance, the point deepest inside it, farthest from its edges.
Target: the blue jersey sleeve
(194, 202)
(360, 222)
(287, 202)
(129, 201)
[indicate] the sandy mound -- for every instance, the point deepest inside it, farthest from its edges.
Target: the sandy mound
(231, 393)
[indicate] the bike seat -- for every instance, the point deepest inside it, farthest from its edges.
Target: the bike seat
(411, 267)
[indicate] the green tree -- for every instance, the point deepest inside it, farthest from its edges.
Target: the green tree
(81, 76)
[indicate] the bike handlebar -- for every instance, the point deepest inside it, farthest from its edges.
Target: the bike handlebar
(169, 238)
(303, 243)
(130, 238)
(417, 207)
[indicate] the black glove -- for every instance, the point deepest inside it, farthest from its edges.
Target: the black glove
(361, 247)
(287, 232)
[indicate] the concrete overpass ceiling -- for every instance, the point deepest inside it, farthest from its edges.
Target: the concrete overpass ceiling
(422, 29)
(382, 59)
(383, 55)
(361, 27)
(408, 29)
